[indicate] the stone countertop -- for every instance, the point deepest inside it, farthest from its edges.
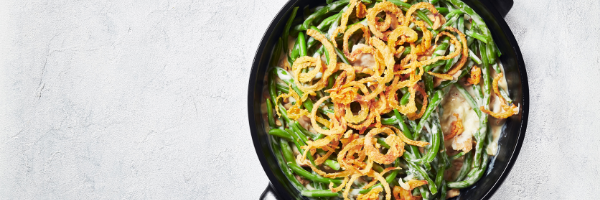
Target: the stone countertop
(147, 99)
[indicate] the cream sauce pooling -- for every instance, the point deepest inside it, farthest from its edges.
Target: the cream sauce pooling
(496, 124)
(454, 102)
(364, 59)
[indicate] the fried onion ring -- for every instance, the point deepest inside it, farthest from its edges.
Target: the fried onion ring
(457, 128)
(396, 146)
(475, 76)
(383, 6)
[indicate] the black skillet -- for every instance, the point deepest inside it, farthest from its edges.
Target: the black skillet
(511, 139)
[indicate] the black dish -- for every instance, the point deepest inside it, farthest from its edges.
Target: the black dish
(492, 11)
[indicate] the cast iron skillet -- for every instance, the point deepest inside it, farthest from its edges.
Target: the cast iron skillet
(492, 11)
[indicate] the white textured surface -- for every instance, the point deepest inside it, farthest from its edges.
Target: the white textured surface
(147, 99)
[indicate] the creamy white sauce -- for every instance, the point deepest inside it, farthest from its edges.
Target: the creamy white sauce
(495, 124)
(454, 102)
(364, 59)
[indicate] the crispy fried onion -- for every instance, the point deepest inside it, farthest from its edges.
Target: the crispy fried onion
(425, 5)
(441, 76)
(396, 146)
(406, 140)
(508, 110)
(371, 195)
(335, 128)
(413, 116)
(404, 34)
(404, 194)
(475, 76)
(344, 21)
(363, 49)
(374, 90)
(391, 11)
(457, 128)
(425, 42)
(356, 165)
(465, 51)
(293, 112)
(361, 10)
(305, 62)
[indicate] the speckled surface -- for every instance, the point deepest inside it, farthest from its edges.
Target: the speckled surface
(147, 99)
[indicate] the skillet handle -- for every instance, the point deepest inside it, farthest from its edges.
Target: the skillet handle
(269, 193)
(502, 6)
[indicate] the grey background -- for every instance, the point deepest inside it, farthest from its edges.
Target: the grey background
(147, 99)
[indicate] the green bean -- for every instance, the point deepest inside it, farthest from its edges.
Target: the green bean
(436, 136)
(405, 98)
(299, 142)
(271, 83)
(486, 78)
(477, 20)
(276, 53)
(286, 29)
(284, 168)
(280, 133)
(453, 12)
(463, 72)
(491, 55)
(270, 113)
(429, 85)
(458, 155)
(377, 167)
(313, 177)
(295, 53)
(297, 28)
(341, 55)
(497, 68)
(474, 175)
(406, 131)
(287, 152)
(442, 10)
(406, 51)
(381, 141)
(283, 88)
(421, 172)
(329, 8)
(329, 20)
(439, 50)
(301, 135)
(389, 178)
(477, 36)
(405, 6)
(452, 61)
(337, 51)
(505, 95)
(469, 99)
(389, 121)
(474, 57)
(304, 131)
(319, 193)
(440, 175)
(435, 101)
(461, 24)
(302, 44)
(332, 164)
(466, 167)
(498, 53)
(444, 191)
(308, 104)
